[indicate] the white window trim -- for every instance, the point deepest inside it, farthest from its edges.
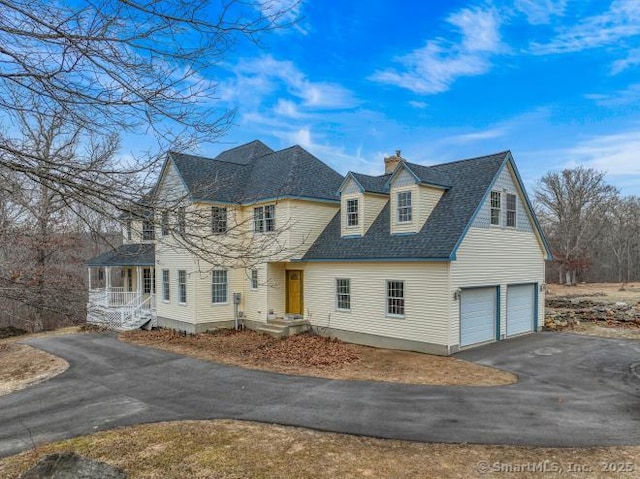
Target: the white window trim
(514, 210)
(164, 223)
(409, 208)
(387, 297)
(251, 280)
(216, 220)
(260, 226)
(491, 208)
(180, 285)
(356, 213)
(336, 296)
(166, 298)
(226, 288)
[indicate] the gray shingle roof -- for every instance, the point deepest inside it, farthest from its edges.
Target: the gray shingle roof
(373, 184)
(468, 181)
(261, 174)
(126, 255)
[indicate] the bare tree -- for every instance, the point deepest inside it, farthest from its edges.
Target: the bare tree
(113, 66)
(42, 278)
(573, 205)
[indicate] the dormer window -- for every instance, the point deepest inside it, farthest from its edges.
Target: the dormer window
(496, 199)
(352, 212)
(405, 210)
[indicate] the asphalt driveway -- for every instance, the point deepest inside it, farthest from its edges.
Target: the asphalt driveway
(572, 391)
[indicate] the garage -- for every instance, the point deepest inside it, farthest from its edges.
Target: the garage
(521, 300)
(478, 311)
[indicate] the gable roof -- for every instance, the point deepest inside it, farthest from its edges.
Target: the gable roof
(373, 184)
(468, 180)
(254, 172)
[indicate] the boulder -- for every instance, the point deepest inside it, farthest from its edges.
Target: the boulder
(70, 465)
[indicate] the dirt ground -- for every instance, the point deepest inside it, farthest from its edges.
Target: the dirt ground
(599, 292)
(321, 357)
(22, 366)
(225, 449)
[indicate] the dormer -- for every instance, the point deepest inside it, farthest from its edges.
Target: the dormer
(414, 192)
(362, 198)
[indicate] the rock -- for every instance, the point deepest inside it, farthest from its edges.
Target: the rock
(70, 465)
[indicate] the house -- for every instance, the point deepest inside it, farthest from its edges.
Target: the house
(425, 258)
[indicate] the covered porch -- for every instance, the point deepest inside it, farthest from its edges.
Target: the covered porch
(122, 287)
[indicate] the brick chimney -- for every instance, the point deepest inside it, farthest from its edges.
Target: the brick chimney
(391, 162)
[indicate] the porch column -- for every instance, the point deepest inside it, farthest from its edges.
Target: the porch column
(139, 280)
(107, 277)
(89, 275)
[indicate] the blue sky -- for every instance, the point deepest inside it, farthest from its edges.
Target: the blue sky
(555, 81)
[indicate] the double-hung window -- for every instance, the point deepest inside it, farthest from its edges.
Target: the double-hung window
(182, 220)
(511, 210)
(352, 212)
(343, 294)
(148, 230)
(182, 286)
(264, 219)
(496, 204)
(254, 279)
(218, 220)
(219, 286)
(165, 285)
(165, 223)
(395, 298)
(405, 210)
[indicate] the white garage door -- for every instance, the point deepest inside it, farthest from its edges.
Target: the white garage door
(520, 308)
(477, 315)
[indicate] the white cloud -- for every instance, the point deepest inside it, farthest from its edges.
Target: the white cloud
(489, 134)
(621, 21)
(434, 67)
(628, 96)
(632, 59)
(286, 12)
(266, 75)
(540, 12)
(420, 105)
(617, 154)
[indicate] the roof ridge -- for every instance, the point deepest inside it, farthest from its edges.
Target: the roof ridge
(474, 158)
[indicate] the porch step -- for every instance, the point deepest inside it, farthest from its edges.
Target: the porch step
(274, 330)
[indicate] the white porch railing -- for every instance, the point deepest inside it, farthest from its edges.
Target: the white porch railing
(119, 309)
(116, 297)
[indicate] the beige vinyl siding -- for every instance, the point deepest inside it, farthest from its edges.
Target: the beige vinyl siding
(426, 299)
(427, 200)
(373, 205)
(171, 189)
(206, 310)
(136, 232)
(496, 257)
(254, 304)
(172, 260)
(307, 220)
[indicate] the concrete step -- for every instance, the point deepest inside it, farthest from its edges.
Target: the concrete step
(275, 331)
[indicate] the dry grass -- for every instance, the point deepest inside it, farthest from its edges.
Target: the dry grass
(598, 292)
(601, 329)
(230, 449)
(22, 366)
(321, 357)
